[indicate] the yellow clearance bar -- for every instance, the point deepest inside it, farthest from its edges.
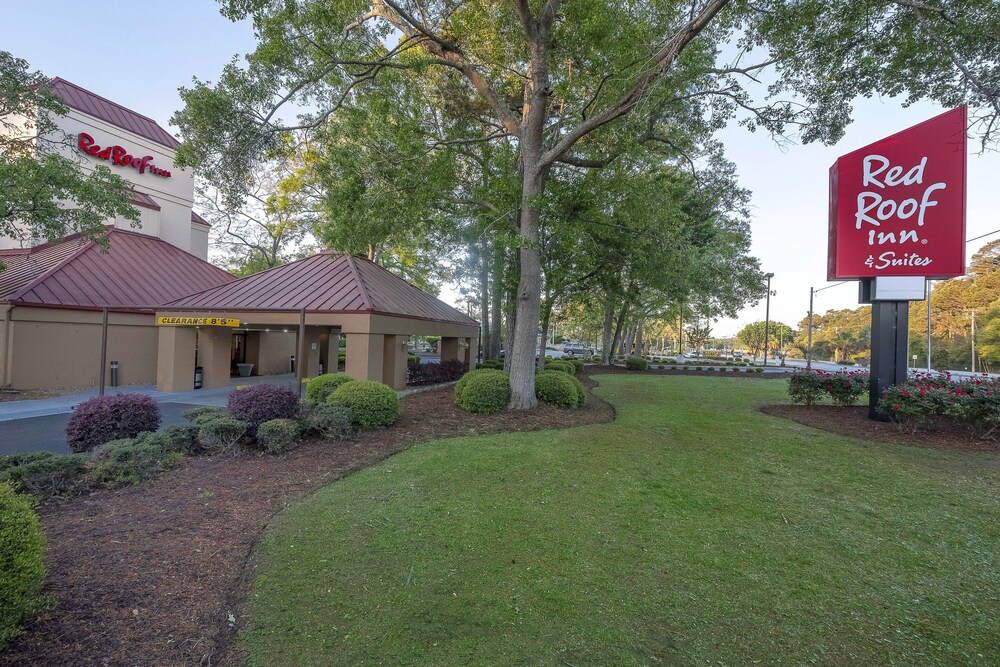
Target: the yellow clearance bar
(197, 322)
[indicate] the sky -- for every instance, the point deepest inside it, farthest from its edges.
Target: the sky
(139, 54)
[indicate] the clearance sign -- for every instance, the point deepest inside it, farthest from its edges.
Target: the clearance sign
(897, 207)
(197, 322)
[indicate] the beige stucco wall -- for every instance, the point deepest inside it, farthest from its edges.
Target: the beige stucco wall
(55, 348)
(276, 347)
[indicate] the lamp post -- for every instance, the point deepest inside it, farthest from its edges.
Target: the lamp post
(767, 316)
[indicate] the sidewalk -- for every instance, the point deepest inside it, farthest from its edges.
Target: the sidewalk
(57, 405)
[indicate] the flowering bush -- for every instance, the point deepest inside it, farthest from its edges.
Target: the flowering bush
(973, 401)
(844, 388)
(105, 418)
(261, 403)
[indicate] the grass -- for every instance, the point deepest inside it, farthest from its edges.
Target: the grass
(692, 530)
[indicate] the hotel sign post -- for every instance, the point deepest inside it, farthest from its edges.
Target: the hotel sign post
(897, 218)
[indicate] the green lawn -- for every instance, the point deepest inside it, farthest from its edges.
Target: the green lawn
(692, 530)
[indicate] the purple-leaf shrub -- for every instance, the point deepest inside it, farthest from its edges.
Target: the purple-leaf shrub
(105, 418)
(446, 371)
(261, 403)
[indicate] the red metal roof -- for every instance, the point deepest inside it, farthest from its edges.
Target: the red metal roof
(138, 272)
(142, 199)
(24, 266)
(83, 100)
(200, 220)
(325, 283)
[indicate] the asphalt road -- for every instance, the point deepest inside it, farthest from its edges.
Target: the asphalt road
(48, 434)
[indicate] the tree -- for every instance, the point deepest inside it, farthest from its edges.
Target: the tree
(581, 85)
(754, 335)
(45, 193)
(268, 228)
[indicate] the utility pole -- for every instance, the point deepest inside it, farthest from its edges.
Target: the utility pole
(929, 282)
(809, 349)
(767, 315)
(973, 339)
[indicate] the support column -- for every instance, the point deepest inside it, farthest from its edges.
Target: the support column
(449, 349)
(215, 352)
(394, 361)
(889, 337)
(364, 356)
(311, 351)
(175, 358)
(471, 352)
(333, 351)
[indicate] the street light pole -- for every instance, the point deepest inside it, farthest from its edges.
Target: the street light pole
(809, 350)
(767, 316)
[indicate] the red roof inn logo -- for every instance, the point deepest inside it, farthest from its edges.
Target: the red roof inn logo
(119, 156)
(897, 207)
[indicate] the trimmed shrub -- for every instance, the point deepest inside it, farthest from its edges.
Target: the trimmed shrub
(581, 393)
(130, 461)
(180, 438)
(577, 364)
(261, 403)
(374, 404)
(446, 371)
(203, 413)
(221, 435)
(278, 435)
(412, 359)
(49, 475)
(105, 418)
(22, 548)
(495, 364)
(322, 386)
(484, 391)
(561, 366)
(557, 388)
(333, 421)
(636, 364)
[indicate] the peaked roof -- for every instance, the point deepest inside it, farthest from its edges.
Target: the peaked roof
(329, 282)
(138, 272)
(83, 100)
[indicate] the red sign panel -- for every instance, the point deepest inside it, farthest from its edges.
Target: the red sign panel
(897, 207)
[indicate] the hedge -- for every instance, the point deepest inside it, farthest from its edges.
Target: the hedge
(260, 403)
(221, 435)
(322, 386)
(105, 418)
(557, 388)
(844, 388)
(561, 366)
(22, 548)
(446, 371)
(278, 435)
(333, 421)
(374, 404)
(636, 364)
(484, 391)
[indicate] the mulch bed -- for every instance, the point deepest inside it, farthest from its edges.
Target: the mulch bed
(616, 370)
(147, 575)
(853, 421)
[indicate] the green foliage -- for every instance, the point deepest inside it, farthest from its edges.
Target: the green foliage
(130, 461)
(753, 337)
(278, 435)
(485, 391)
(203, 413)
(180, 438)
(48, 475)
(221, 435)
(374, 404)
(636, 364)
(495, 364)
(557, 388)
(22, 568)
(322, 386)
(332, 421)
(44, 193)
(561, 366)
(577, 364)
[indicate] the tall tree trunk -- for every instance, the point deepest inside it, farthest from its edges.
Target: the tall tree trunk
(638, 336)
(546, 316)
(497, 297)
(607, 352)
(525, 339)
(619, 324)
(484, 299)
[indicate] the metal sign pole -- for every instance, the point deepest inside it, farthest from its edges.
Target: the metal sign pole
(300, 362)
(104, 350)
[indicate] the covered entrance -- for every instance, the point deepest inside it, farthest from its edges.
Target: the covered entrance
(296, 315)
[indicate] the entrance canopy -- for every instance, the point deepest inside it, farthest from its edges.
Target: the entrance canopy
(322, 296)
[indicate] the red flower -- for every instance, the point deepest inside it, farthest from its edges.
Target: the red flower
(895, 407)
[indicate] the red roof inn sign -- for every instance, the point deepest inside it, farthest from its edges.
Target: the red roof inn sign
(118, 155)
(897, 207)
